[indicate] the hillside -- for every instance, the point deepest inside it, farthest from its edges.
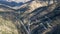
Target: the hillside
(7, 27)
(33, 17)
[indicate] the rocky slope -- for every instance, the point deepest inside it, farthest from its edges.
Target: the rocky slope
(34, 17)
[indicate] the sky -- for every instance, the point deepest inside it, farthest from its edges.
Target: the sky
(16, 0)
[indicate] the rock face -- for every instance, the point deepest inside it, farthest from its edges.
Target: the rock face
(39, 18)
(34, 17)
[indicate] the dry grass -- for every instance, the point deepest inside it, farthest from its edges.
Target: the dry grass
(7, 27)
